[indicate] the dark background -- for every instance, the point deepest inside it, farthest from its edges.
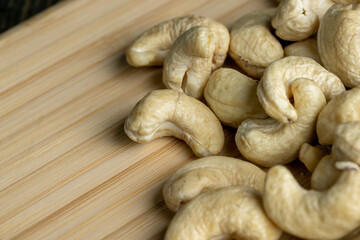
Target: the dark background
(13, 12)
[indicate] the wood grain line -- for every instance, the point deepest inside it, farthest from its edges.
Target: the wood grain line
(54, 163)
(98, 191)
(6, 164)
(75, 39)
(124, 72)
(148, 218)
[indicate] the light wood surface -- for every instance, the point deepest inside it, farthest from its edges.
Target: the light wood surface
(67, 169)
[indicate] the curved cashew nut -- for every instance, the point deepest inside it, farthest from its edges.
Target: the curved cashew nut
(151, 47)
(209, 173)
(342, 108)
(274, 87)
(325, 174)
(345, 149)
(252, 45)
(306, 48)
(346, 145)
(234, 212)
(312, 214)
(297, 20)
(170, 113)
(338, 42)
(232, 96)
(311, 156)
(268, 142)
(187, 67)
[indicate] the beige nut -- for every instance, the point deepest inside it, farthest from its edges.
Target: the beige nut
(313, 214)
(338, 42)
(297, 20)
(209, 173)
(170, 113)
(234, 212)
(325, 174)
(268, 142)
(346, 145)
(252, 45)
(311, 155)
(187, 67)
(151, 47)
(345, 149)
(343, 108)
(274, 87)
(306, 48)
(232, 96)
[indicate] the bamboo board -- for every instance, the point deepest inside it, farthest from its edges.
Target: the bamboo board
(67, 170)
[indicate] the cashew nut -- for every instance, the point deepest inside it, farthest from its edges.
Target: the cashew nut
(346, 145)
(151, 47)
(170, 113)
(252, 45)
(234, 212)
(312, 214)
(187, 67)
(342, 108)
(310, 155)
(297, 20)
(345, 148)
(306, 48)
(338, 42)
(232, 96)
(268, 142)
(325, 174)
(274, 87)
(209, 173)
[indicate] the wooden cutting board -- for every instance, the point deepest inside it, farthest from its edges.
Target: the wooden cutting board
(67, 169)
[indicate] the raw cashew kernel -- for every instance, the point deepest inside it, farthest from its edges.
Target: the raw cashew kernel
(252, 45)
(325, 174)
(151, 47)
(313, 214)
(342, 108)
(346, 145)
(268, 142)
(306, 48)
(344, 150)
(234, 212)
(311, 155)
(274, 87)
(209, 173)
(232, 96)
(170, 113)
(187, 67)
(297, 20)
(339, 40)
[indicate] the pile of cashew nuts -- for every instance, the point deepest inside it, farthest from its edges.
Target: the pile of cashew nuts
(297, 96)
